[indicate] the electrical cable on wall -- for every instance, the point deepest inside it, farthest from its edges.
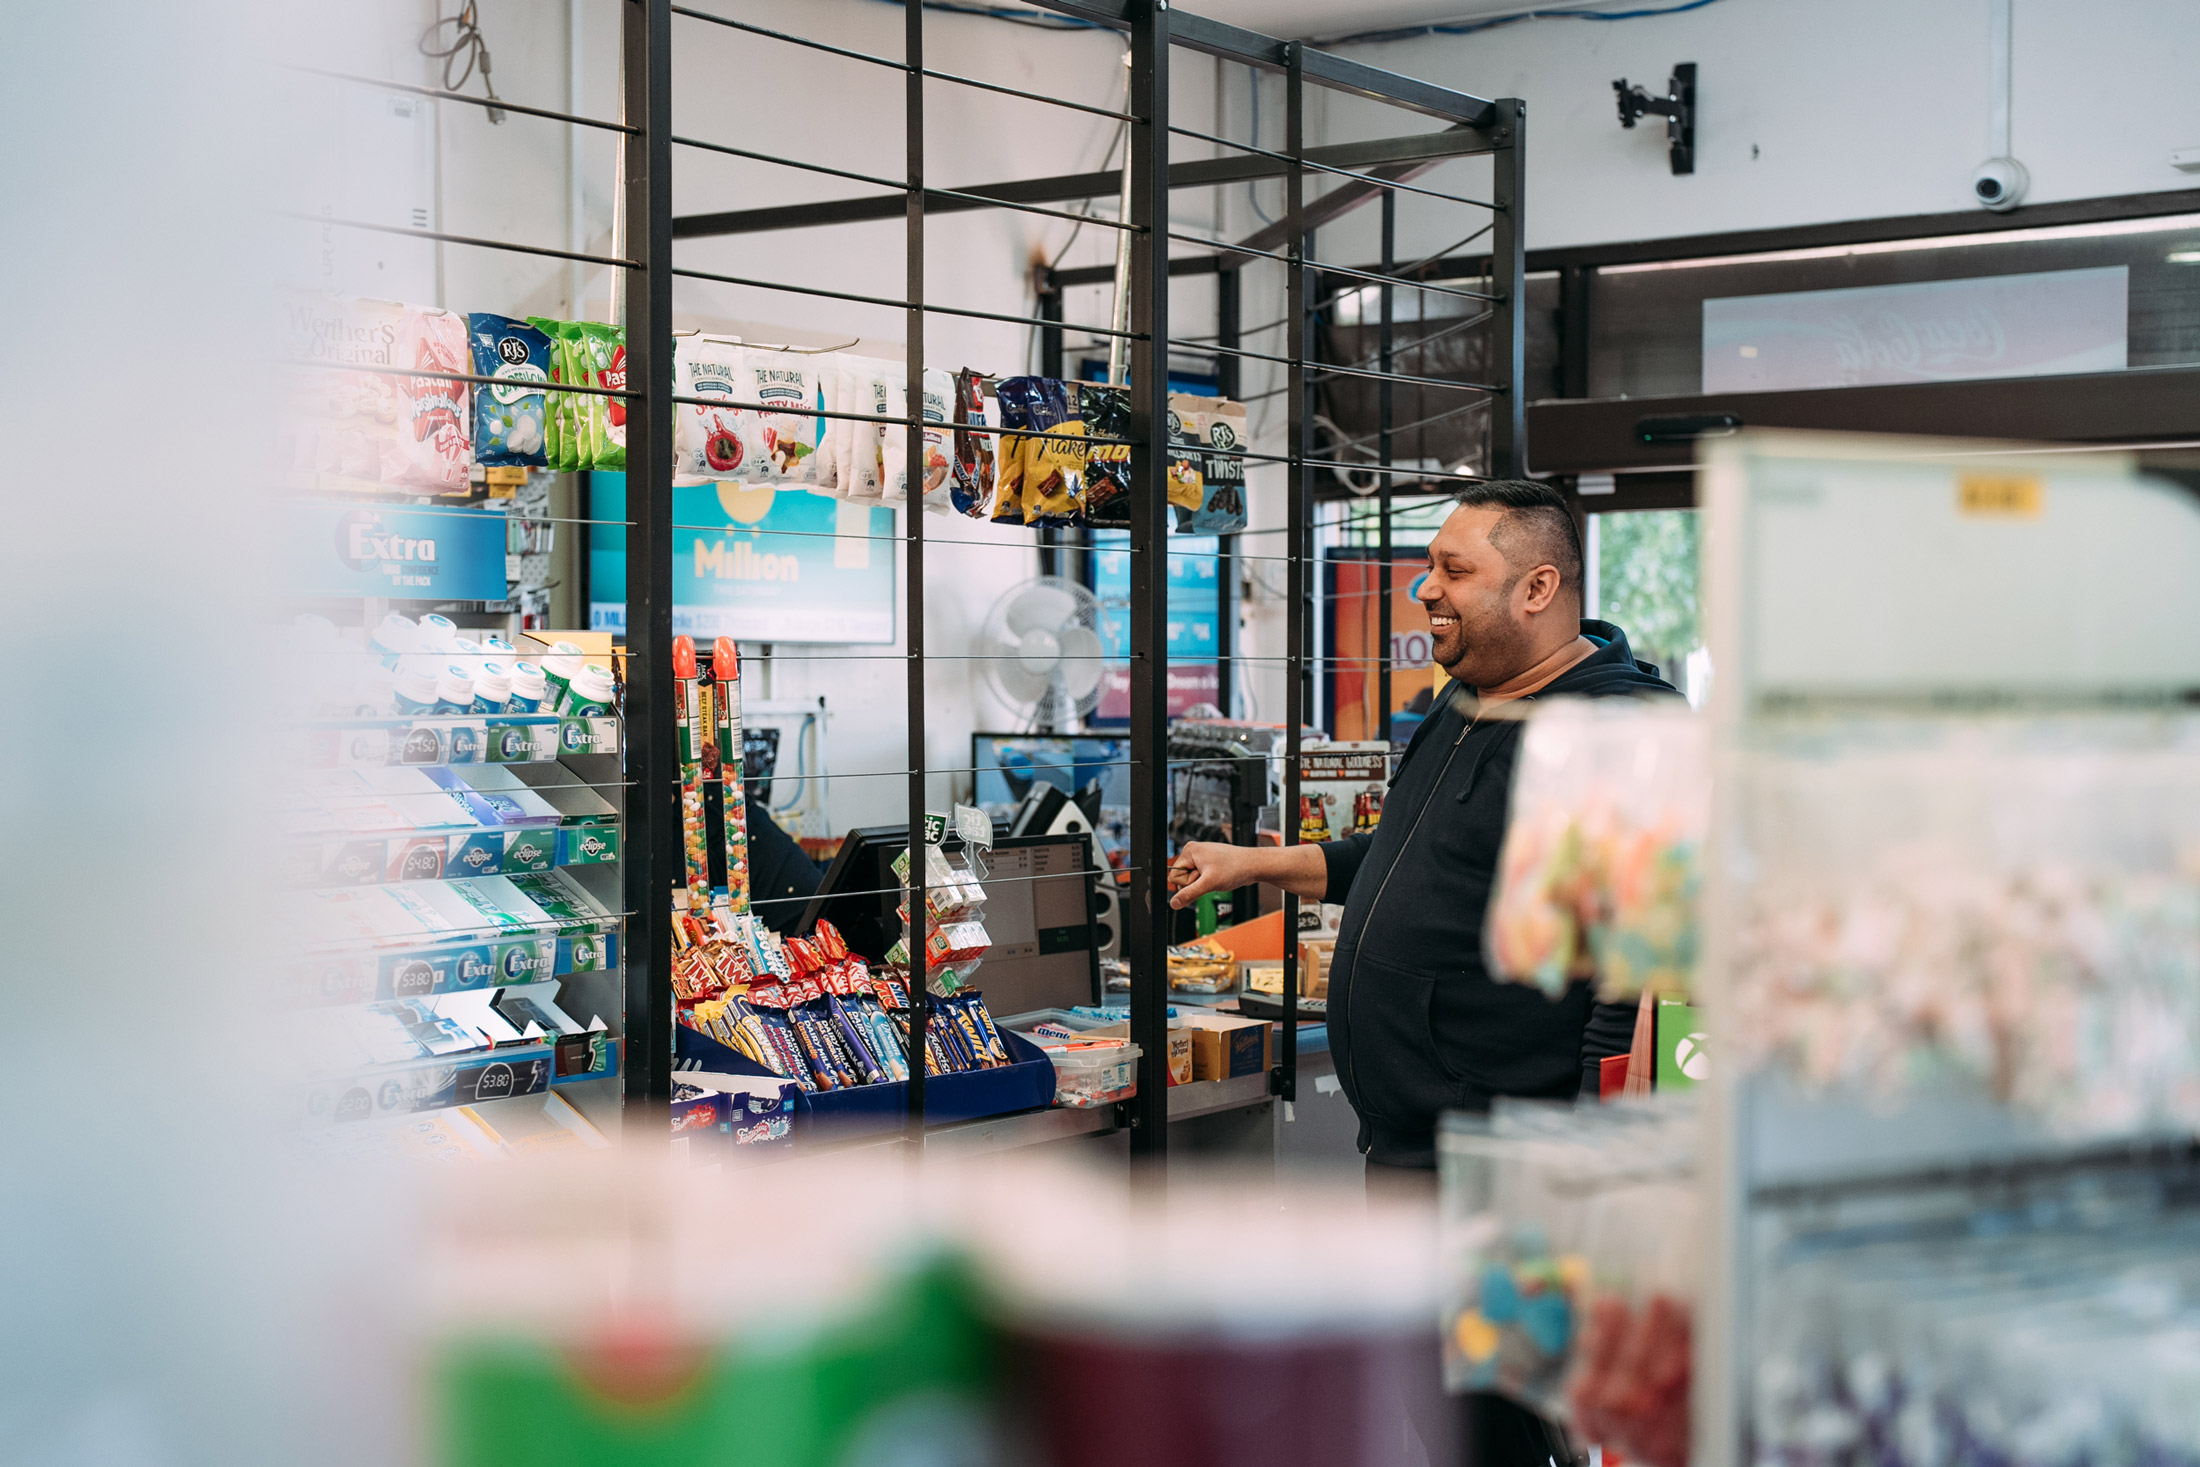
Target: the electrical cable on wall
(1472, 27)
(466, 44)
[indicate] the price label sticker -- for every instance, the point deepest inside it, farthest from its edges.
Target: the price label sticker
(2000, 496)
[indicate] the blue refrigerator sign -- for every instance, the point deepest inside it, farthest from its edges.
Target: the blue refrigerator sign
(407, 552)
(754, 562)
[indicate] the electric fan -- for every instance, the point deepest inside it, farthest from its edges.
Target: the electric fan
(1041, 648)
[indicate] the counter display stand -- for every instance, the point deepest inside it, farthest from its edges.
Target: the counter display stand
(452, 981)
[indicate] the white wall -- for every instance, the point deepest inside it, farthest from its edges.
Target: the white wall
(1812, 112)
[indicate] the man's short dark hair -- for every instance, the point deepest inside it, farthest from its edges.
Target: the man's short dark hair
(1536, 529)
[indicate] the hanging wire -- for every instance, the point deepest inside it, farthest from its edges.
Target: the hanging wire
(465, 45)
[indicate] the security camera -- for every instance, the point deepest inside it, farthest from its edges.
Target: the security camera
(1999, 182)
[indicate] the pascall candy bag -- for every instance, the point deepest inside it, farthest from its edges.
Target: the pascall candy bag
(432, 446)
(603, 356)
(1016, 396)
(1187, 431)
(970, 489)
(939, 400)
(785, 385)
(508, 420)
(710, 441)
(1222, 503)
(1054, 459)
(1107, 414)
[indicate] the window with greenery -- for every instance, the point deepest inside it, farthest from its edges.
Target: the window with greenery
(1646, 584)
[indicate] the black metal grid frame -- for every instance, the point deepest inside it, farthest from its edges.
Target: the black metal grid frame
(1366, 171)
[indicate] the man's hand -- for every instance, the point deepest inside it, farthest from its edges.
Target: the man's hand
(1205, 866)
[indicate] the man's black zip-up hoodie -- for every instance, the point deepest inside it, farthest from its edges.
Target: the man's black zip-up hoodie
(1416, 1024)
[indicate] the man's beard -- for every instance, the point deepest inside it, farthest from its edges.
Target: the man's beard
(1486, 647)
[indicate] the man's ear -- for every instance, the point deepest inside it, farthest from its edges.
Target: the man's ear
(1542, 585)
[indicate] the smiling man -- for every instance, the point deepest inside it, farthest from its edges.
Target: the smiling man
(1416, 1024)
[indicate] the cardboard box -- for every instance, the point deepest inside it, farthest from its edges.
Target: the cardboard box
(1681, 1057)
(1265, 975)
(1225, 1046)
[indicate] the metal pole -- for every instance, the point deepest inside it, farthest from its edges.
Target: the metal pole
(1120, 318)
(1508, 365)
(1296, 488)
(1052, 562)
(1383, 447)
(653, 860)
(1147, 919)
(912, 511)
(1227, 323)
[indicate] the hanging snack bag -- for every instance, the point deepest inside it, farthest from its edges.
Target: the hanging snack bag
(339, 421)
(581, 408)
(1016, 396)
(1107, 414)
(863, 389)
(939, 403)
(709, 441)
(893, 436)
(555, 404)
(970, 487)
(508, 421)
(786, 386)
(824, 465)
(1187, 430)
(1054, 458)
(1222, 500)
(432, 446)
(603, 360)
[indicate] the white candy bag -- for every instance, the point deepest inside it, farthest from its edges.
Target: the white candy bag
(710, 442)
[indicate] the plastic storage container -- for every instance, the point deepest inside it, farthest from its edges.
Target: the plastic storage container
(1089, 1073)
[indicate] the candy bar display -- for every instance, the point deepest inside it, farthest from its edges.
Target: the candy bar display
(2008, 907)
(809, 1011)
(1601, 870)
(1570, 1263)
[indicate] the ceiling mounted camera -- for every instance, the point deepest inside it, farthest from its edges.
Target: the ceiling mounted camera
(1999, 183)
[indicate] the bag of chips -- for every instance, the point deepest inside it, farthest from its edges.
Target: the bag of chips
(786, 386)
(1222, 497)
(710, 442)
(600, 350)
(1107, 414)
(971, 484)
(508, 421)
(1016, 396)
(1187, 430)
(1054, 458)
(433, 445)
(939, 401)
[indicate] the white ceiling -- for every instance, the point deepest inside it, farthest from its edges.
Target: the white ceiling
(1343, 17)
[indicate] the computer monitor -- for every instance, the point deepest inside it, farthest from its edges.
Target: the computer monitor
(1006, 766)
(1038, 913)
